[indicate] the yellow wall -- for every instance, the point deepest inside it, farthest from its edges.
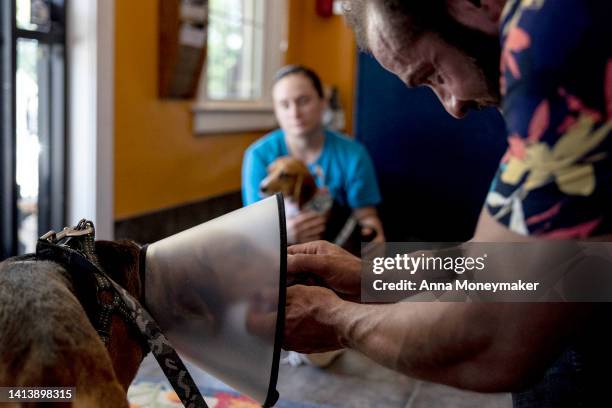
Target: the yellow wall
(326, 45)
(159, 162)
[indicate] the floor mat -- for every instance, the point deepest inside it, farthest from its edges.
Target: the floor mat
(159, 395)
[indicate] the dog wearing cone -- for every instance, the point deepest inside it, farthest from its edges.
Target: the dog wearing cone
(47, 338)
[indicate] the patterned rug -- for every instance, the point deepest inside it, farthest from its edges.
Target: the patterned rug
(152, 395)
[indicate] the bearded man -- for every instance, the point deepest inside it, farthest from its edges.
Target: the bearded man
(548, 66)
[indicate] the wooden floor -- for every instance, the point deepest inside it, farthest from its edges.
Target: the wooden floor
(353, 381)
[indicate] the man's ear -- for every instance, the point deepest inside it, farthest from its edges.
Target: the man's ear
(480, 15)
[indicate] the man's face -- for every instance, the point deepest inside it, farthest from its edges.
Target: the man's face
(463, 75)
(298, 107)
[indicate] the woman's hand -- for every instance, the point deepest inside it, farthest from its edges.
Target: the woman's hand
(306, 226)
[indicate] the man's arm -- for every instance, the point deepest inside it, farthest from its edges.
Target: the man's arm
(483, 347)
(478, 346)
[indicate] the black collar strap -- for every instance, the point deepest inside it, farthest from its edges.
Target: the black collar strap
(74, 249)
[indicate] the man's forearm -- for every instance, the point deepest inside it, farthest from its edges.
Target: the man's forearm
(471, 346)
(423, 340)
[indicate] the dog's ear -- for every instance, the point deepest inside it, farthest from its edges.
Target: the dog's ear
(120, 259)
(308, 189)
(297, 189)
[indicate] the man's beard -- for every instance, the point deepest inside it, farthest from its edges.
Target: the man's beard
(483, 49)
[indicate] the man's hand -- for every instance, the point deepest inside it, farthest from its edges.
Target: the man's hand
(309, 319)
(305, 227)
(336, 268)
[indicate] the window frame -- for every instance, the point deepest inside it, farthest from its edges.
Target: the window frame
(8, 202)
(52, 163)
(91, 124)
(231, 116)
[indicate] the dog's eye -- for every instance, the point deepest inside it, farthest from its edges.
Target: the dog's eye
(283, 175)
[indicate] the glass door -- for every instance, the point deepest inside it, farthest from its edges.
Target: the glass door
(33, 136)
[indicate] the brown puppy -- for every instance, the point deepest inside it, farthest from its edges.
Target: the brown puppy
(291, 177)
(47, 340)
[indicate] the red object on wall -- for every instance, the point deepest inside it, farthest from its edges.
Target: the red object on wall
(325, 8)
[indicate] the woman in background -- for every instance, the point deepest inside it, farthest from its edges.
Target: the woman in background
(340, 165)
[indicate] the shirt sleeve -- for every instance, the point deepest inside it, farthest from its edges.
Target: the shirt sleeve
(254, 170)
(554, 180)
(362, 186)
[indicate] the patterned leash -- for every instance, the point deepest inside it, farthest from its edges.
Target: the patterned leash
(74, 248)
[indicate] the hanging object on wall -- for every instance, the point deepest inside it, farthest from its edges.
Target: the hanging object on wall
(182, 46)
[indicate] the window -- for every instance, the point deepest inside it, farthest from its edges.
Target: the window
(235, 43)
(246, 44)
(33, 114)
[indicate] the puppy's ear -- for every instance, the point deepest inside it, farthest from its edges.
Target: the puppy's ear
(309, 189)
(297, 190)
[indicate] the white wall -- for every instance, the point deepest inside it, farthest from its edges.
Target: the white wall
(90, 42)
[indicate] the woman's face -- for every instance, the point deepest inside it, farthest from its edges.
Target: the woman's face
(298, 107)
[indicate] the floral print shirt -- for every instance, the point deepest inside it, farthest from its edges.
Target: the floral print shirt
(555, 180)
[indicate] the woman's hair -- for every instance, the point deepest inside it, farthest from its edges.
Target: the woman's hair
(300, 69)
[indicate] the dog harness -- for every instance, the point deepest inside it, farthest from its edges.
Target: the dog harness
(74, 249)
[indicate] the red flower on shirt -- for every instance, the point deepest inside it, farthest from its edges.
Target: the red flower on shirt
(516, 41)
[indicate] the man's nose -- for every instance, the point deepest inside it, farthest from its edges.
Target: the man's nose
(455, 107)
